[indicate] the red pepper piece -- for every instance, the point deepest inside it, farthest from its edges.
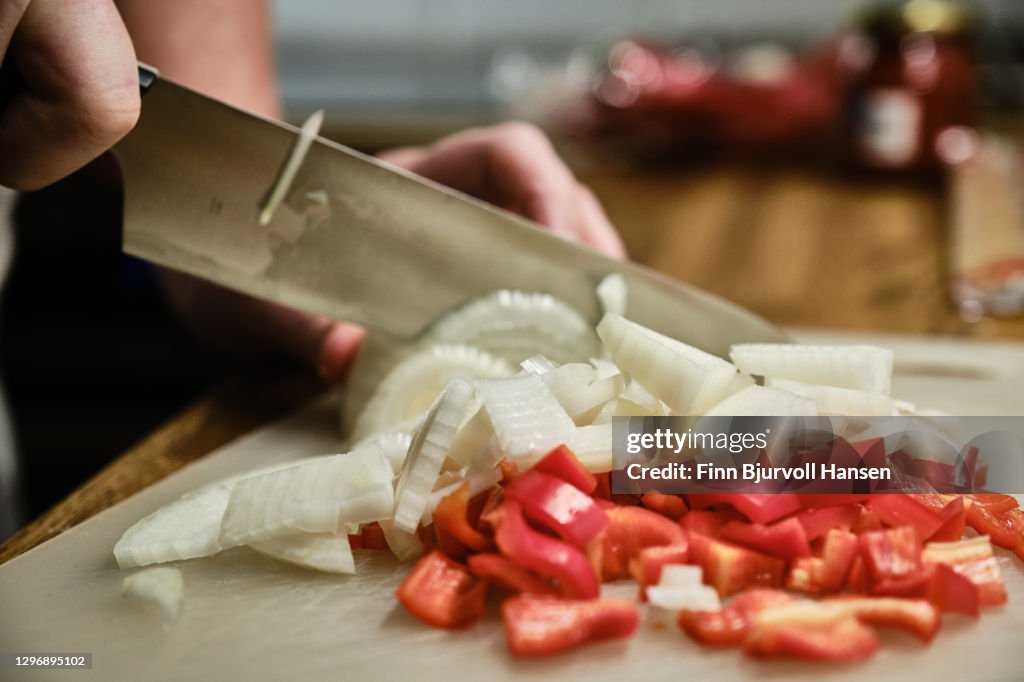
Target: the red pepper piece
(562, 463)
(603, 490)
(709, 522)
(1005, 529)
(544, 555)
(786, 539)
(994, 502)
(671, 506)
(919, 617)
(893, 560)
(817, 522)
(974, 560)
(455, 535)
(646, 569)
(867, 521)
(758, 507)
(630, 529)
(829, 572)
(540, 626)
(953, 592)
(372, 537)
(897, 510)
(730, 625)
(509, 471)
(506, 576)
(730, 568)
(442, 593)
(837, 637)
(954, 520)
(558, 506)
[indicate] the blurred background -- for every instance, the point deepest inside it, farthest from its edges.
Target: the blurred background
(845, 165)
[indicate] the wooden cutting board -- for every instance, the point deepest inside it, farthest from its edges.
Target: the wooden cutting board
(249, 617)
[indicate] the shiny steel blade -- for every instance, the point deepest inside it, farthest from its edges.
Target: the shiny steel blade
(356, 239)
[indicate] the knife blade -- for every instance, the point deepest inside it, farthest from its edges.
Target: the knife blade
(356, 239)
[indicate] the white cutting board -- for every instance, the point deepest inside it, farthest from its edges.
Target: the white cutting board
(249, 617)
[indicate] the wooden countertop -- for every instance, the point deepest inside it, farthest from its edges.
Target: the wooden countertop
(799, 247)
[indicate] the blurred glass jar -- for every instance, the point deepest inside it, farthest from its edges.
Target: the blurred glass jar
(912, 77)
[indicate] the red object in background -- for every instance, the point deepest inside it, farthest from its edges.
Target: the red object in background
(878, 96)
(917, 81)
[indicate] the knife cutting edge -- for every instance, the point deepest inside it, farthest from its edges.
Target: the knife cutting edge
(356, 239)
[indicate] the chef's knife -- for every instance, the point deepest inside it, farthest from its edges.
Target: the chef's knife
(356, 239)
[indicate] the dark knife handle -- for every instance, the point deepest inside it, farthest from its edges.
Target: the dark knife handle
(147, 76)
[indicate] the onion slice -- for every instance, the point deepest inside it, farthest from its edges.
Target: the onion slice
(686, 378)
(327, 552)
(759, 401)
(427, 453)
(842, 401)
(527, 418)
(863, 368)
(163, 585)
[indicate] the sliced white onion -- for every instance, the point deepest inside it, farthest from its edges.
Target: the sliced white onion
(393, 446)
(691, 597)
(760, 401)
(319, 497)
(286, 176)
(864, 368)
(681, 575)
(162, 584)
(404, 545)
(592, 446)
(327, 552)
(537, 364)
(835, 400)
(427, 453)
(411, 387)
(187, 528)
(605, 368)
(612, 293)
(473, 436)
(378, 355)
(527, 418)
(686, 378)
(516, 325)
(579, 391)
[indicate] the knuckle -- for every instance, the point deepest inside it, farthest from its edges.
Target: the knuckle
(105, 114)
(522, 133)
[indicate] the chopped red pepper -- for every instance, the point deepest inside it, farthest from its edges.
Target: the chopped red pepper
(558, 506)
(952, 592)
(998, 526)
(544, 555)
(730, 568)
(829, 572)
(630, 529)
(817, 522)
(541, 626)
(671, 506)
(786, 539)
(954, 520)
(442, 593)
(994, 502)
(810, 631)
(893, 561)
(897, 510)
(812, 501)
(709, 522)
(373, 536)
(646, 569)
(758, 507)
(455, 535)
(917, 616)
(974, 560)
(562, 463)
(730, 625)
(506, 576)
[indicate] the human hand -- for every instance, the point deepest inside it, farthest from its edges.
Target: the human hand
(69, 87)
(514, 166)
